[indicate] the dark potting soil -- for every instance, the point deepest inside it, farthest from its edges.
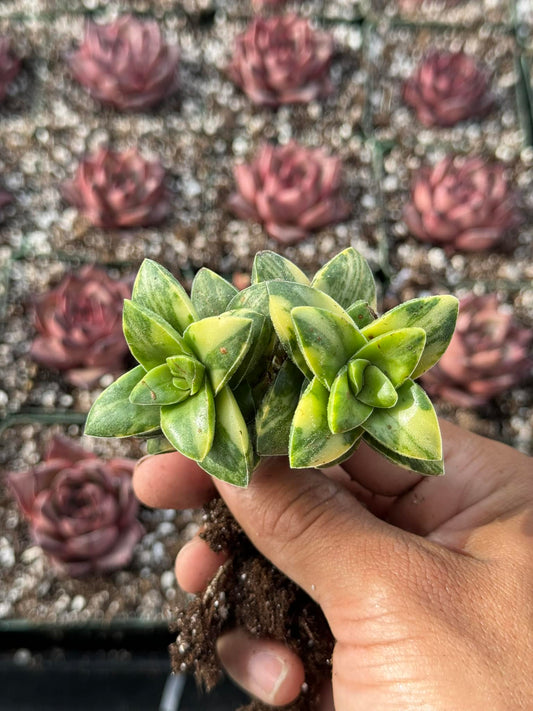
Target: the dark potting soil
(249, 592)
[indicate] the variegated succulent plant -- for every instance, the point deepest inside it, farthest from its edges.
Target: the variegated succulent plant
(288, 366)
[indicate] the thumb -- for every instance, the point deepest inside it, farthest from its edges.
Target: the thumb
(310, 527)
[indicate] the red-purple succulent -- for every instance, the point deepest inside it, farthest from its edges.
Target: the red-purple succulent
(448, 87)
(282, 60)
(81, 509)
(9, 66)
(80, 326)
(119, 189)
(462, 204)
(488, 354)
(5, 198)
(291, 189)
(126, 63)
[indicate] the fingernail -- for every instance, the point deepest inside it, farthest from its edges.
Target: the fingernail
(142, 459)
(267, 672)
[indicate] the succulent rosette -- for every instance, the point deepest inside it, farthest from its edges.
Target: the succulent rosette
(119, 189)
(489, 354)
(126, 63)
(79, 326)
(448, 87)
(282, 60)
(462, 204)
(81, 509)
(215, 383)
(9, 66)
(291, 189)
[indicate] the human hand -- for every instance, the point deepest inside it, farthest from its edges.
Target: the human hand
(426, 583)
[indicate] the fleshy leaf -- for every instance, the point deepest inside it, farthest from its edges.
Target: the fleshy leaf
(156, 388)
(274, 417)
(211, 293)
(356, 370)
(254, 297)
(261, 337)
(361, 313)
(157, 290)
(377, 390)
(113, 415)
(231, 457)
(269, 265)
(327, 340)
(284, 297)
(220, 343)
(312, 444)
(345, 411)
(347, 278)
(189, 426)
(429, 467)
(158, 445)
(187, 373)
(150, 338)
(435, 314)
(395, 353)
(410, 428)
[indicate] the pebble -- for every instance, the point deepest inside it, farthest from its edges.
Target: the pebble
(7, 554)
(167, 579)
(78, 603)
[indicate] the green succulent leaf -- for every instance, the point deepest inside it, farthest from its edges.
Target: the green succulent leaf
(433, 467)
(377, 390)
(151, 339)
(220, 343)
(395, 353)
(156, 388)
(113, 415)
(356, 370)
(255, 297)
(261, 337)
(312, 444)
(410, 428)
(284, 297)
(189, 426)
(158, 445)
(435, 314)
(347, 278)
(157, 290)
(211, 293)
(327, 340)
(275, 413)
(187, 373)
(269, 265)
(361, 313)
(345, 412)
(231, 458)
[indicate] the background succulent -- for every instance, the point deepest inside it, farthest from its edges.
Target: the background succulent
(81, 509)
(79, 325)
(265, 4)
(282, 60)
(448, 87)
(119, 189)
(126, 63)
(291, 189)
(9, 66)
(464, 204)
(488, 355)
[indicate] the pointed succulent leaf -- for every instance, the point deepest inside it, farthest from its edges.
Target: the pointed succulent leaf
(435, 314)
(187, 373)
(189, 426)
(361, 313)
(220, 343)
(346, 455)
(347, 278)
(269, 265)
(312, 444)
(410, 428)
(211, 293)
(356, 370)
(275, 413)
(255, 297)
(284, 297)
(326, 340)
(261, 337)
(151, 339)
(245, 400)
(395, 353)
(158, 445)
(345, 411)
(231, 458)
(113, 415)
(157, 290)
(377, 390)
(429, 467)
(157, 388)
